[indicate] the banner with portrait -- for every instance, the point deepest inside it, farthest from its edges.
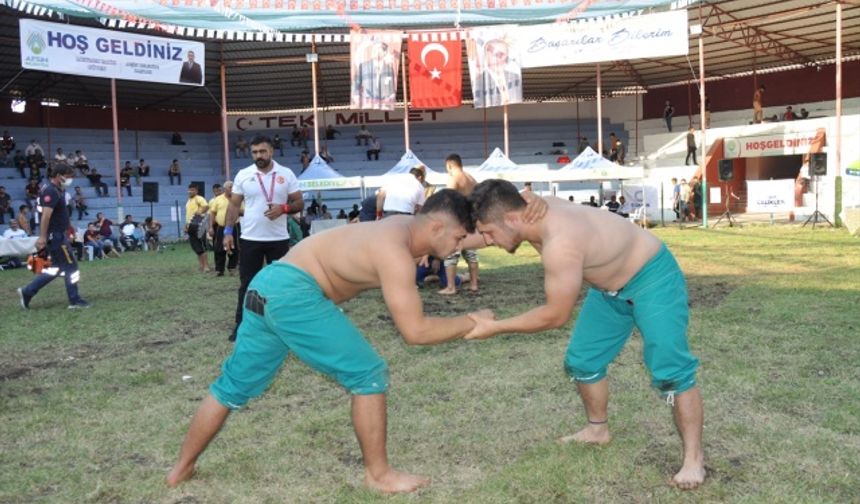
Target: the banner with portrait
(72, 49)
(373, 69)
(494, 67)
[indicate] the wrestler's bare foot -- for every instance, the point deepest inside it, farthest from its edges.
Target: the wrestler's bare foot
(393, 481)
(591, 434)
(448, 291)
(180, 474)
(690, 476)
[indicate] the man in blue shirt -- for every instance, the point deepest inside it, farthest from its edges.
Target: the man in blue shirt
(53, 233)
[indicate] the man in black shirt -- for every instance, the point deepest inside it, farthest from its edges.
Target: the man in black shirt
(354, 213)
(53, 234)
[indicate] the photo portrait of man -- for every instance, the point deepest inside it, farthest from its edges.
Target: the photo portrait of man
(374, 74)
(496, 75)
(191, 71)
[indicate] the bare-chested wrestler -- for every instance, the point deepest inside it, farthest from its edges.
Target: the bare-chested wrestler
(635, 281)
(463, 183)
(291, 306)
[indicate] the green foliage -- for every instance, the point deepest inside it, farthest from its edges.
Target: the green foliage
(94, 403)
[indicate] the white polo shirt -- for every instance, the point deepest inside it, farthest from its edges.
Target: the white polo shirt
(259, 190)
(402, 193)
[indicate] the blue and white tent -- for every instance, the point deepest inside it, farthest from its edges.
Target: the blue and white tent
(319, 175)
(590, 165)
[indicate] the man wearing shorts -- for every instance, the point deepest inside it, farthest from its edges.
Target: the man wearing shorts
(463, 183)
(291, 306)
(634, 280)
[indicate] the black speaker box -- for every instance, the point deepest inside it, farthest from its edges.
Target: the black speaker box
(818, 163)
(201, 187)
(726, 169)
(150, 192)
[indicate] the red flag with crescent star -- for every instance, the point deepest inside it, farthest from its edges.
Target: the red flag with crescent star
(435, 70)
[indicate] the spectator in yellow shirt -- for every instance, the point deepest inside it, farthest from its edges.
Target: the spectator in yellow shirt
(217, 219)
(196, 209)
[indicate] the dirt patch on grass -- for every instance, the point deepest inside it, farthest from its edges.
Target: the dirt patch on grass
(707, 293)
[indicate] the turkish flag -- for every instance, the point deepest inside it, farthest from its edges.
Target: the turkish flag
(435, 72)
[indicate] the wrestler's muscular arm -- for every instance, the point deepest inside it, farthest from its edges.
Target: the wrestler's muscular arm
(397, 279)
(562, 282)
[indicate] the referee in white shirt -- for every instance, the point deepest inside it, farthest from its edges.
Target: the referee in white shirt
(270, 192)
(401, 194)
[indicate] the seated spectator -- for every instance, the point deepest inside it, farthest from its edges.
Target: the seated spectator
(143, 169)
(5, 158)
(5, 205)
(151, 228)
(353, 215)
(623, 208)
(125, 178)
(592, 201)
(7, 143)
(34, 152)
(32, 192)
(20, 162)
(81, 163)
(23, 219)
(130, 236)
(80, 203)
(132, 172)
(804, 114)
(330, 132)
(295, 137)
(242, 147)
(328, 158)
(96, 180)
(363, 134)
(306, 135)
(613, 205)
(175, 171)
(324, 213)
(341, 214)
(305, 160)
(104, 226)
(373, 151)
(789, 114)
(92, 239)
(277, 143)
(14, 232)
(60, 158)
(36, 171)
(176, 139)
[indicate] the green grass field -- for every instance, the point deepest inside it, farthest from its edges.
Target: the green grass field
(93, 404)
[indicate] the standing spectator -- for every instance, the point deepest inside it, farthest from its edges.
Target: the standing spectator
(295, 136)
(20, 161)
(696, 197)
(96, 180)
(613, 205)
(8, 142)
(270, 192)
(195, 226)
(789, 114)
(691, 147)
(363, 134)
(374, 149)
(53, 235)
(463, 183)
(175, 171)
(758, 110)
(330, 132)
(125, 178)
(676, 198)
(620, 152)
(305, 160)
(142, 168)
(176, 139)
(5, 205)
(306, 135)
(804, 114)
(683, 200)
(242, 147)
(23, 219)
(278, 143)
(80, 203)
(668, 114)
(611, 146)
(217, 220)
(81, 162)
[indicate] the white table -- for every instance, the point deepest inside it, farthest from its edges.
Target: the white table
(17, 246)
(323, 224)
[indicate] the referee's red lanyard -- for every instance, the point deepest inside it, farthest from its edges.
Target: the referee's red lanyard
(270, 195)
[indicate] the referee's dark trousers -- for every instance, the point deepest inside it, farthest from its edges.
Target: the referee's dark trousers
(252, 255)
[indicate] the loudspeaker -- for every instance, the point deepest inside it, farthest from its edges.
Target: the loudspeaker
(726, 169)
(150, 192)
(818, 163)
(201, 187)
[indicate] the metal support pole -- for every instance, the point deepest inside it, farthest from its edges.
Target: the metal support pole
(599, 113)
(405, 101)
(224, 140)
(636, 134)
(116, 147)
(838, 153)
(507, 143)
(702, 165)
(316, 108)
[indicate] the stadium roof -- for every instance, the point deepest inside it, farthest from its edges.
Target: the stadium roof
(273, 75)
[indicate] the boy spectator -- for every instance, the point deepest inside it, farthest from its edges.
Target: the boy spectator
(151, 228)
(175, 171)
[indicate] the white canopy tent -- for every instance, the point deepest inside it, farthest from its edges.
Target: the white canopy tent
(590, 165)
(498, 165)
(408, 161)
(320, 176)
